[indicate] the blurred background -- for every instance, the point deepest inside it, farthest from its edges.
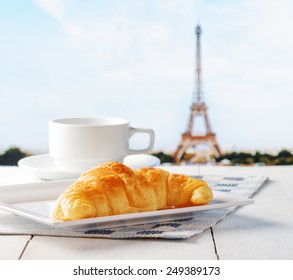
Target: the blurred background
(135, 59)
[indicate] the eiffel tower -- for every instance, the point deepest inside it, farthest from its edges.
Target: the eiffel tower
(198, 109)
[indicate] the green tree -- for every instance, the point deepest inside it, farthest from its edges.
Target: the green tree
(284, 153)
(11, 156)
(164, 158)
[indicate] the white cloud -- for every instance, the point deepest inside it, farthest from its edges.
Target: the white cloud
(55, 8)
(147, 56)
(185, 8)
(129, 50)
(242, 64)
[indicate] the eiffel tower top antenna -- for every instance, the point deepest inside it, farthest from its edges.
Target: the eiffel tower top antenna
(198, 65)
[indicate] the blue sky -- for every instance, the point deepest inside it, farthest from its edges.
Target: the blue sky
(135, 59)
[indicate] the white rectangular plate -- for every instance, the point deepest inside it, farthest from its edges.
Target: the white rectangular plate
(35, 200)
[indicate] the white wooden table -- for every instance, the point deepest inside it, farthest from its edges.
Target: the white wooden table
(263, 230)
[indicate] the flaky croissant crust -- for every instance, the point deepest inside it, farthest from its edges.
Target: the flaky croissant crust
(113, 188)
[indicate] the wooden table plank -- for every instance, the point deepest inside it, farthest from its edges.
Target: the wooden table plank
(46, 248)
(263, 230)
(12, 246)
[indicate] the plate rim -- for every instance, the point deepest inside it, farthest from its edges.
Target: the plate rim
(232, 201)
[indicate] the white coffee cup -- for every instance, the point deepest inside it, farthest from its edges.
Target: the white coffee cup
(77, 144)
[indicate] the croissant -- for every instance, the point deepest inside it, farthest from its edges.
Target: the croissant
(113, 188)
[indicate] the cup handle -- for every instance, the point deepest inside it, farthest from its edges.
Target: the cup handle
(150, 132)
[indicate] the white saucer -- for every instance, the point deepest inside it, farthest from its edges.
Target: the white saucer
(43, 166)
